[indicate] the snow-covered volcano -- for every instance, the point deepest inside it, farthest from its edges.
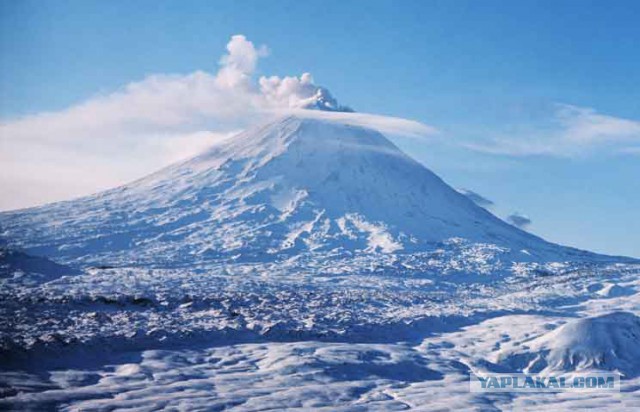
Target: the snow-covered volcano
(321, 263)
(292, 186)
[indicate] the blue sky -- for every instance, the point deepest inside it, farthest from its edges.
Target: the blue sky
(537, 103)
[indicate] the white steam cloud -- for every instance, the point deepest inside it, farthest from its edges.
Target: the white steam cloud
(238, 65)
(298, 92)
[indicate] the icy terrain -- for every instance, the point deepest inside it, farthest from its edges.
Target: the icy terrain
(304, 264)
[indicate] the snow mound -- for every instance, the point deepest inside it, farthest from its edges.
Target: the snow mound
(612, 290)
(608, 342)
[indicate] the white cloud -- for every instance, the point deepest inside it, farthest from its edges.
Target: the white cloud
(571, 131)
(110, 139)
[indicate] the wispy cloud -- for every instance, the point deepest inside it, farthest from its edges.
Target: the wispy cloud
(122, 135)
(588, 126)
(476, 198)
(384, 124)
(519, 220)
(571, 131)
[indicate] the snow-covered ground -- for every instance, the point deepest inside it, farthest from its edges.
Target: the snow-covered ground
(300, 265)
(369, 336)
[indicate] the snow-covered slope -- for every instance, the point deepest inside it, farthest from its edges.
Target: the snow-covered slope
(292, 186)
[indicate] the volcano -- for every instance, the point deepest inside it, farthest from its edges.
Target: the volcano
(292, 186)
(299, 256)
